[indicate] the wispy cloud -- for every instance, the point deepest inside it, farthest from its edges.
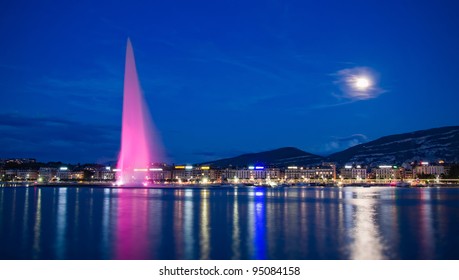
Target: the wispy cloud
(86, 86)
(250, 67)
(81, 94)
(342, 143)
(347, 81)
(347, 89)
(38, 135)
(321, 106)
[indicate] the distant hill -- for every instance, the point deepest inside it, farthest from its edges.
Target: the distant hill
(429, 145)
(424, 145)
(279, 157)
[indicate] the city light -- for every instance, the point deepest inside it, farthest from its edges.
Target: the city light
(188, 167)
(63, 168)
(156, 169)
(259, 167)
(140, 169)
(205, 167)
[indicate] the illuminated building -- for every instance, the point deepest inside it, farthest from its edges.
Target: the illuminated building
(384, 172)
(426, 169)
(303, 173)
(258, 172)
(228, 174)
(27, 175)
(353, 172)
(47, 173)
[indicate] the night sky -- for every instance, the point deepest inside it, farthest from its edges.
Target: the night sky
(223, 78)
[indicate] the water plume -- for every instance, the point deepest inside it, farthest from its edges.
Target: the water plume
(140, 146)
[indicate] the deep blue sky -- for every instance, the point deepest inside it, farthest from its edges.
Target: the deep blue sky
(223, 77)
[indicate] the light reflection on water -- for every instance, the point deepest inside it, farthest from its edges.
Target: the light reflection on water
(235, 240)
(37, 226)
(367, 242)
(61, 218)
(227, 223)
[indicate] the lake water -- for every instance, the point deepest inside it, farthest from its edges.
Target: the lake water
(229, 223)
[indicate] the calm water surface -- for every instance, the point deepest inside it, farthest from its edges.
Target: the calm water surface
(229, 223)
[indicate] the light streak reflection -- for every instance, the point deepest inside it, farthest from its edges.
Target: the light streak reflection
(367, 243)
(427, 247)
(106, 223)
(188, 224)
(61, 222)
(37, 227)
(204, 233)
(236, 243)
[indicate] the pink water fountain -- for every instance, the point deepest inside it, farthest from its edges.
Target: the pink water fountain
(140, 146)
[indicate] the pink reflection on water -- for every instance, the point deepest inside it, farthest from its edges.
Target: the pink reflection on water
(139, 141)
(132, 240)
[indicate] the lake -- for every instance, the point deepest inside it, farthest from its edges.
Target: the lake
(229, 223)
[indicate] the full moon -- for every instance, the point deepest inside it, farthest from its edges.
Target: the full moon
(362, 83)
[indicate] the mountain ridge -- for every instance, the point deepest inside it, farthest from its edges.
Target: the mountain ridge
(429, 144)
(277, 157)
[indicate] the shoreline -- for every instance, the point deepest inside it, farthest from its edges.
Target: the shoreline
(109, 185)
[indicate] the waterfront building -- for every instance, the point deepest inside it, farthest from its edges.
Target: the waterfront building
(408, 174)
(104, 174)
(228, 174)
(63, 173)
(353, 172)
(77, 175)
(331, 165)
(46, 174)
(324, 173)
(250, 173)
(158, 174)
(206, 174)
(426, 169)
(182, 173)
(402, 173)
(258, 173)
(296, 173)
(10, 174)
(27, 175)
(385, 172)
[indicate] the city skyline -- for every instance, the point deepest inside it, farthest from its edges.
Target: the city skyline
(224, 79)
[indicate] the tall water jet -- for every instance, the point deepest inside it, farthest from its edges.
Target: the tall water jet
(139, 145)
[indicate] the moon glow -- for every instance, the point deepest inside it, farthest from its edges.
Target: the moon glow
(362, 83)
